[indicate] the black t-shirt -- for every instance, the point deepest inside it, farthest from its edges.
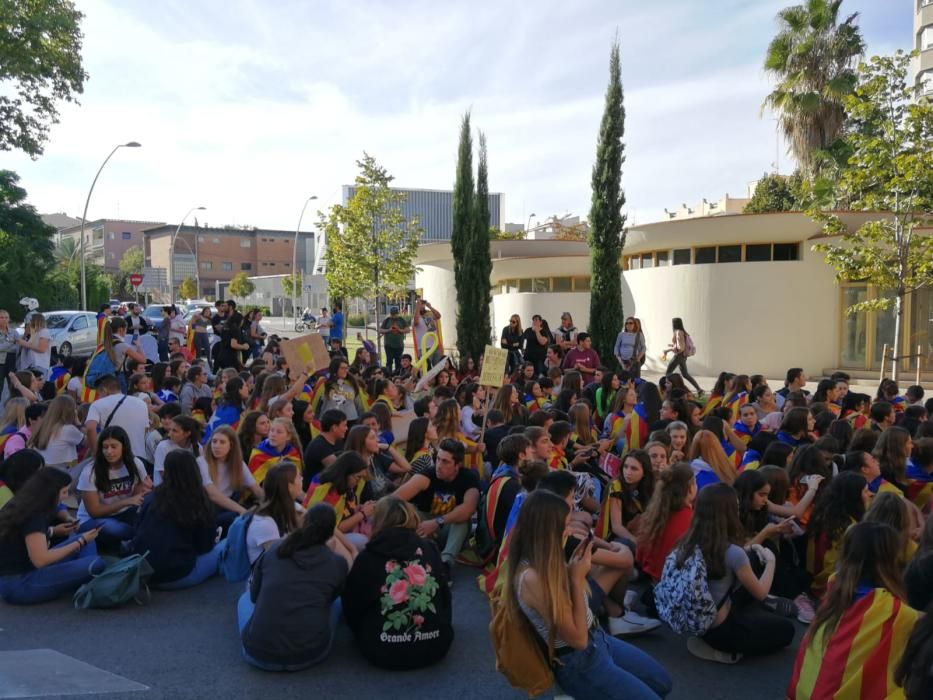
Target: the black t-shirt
(227, 356)
(492, 438)
(14, 557)
(513, 340)
(217, 321)
(441, 497)
(534, 351)
(315, 453)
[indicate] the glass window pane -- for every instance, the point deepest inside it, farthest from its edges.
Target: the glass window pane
(921, 327)
(541, 284)
(682, 256)
(581, 284)
(561, 284)
(663, 258)
(787, 251)
(730, 253)
(635, 263)
(647, 260)
(524, 285)
(854, 329)
(758, 252)
(884, 329)
(705, 256)
(512, 286)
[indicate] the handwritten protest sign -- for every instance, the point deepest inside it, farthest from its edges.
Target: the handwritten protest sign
(306, 353)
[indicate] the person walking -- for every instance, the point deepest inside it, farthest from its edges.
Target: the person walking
(682, 347)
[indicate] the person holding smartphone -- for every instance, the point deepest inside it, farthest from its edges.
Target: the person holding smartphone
(553, 596)
(30, 570)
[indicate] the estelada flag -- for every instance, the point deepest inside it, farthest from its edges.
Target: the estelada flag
(858, 661)
(735, 402)
(636, 432)
(265, 455)
(714, 401)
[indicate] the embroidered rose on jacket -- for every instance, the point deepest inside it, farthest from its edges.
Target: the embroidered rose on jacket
(407, 594)
(416, 574)
(398, 591)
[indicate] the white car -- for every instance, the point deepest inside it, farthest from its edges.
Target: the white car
(73, 332)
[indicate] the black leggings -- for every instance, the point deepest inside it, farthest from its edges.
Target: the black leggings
(752, 630)
(680, 361)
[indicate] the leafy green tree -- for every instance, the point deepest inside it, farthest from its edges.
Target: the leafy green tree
(241, 286)
(607, 232)
(291, 285)
(496, 234)
(188, 289)
(25, 245)
(370, 244)
(40, 61)
(813, 59)
(461, 239)
(132, 262)
(774, 193)
(890, 171)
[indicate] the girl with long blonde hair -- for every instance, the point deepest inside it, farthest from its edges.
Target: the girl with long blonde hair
(709, 461)
(58, 435)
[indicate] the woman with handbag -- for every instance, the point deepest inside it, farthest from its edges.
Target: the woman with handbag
(682, 347)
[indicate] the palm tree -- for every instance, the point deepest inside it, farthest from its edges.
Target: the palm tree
(813, 59)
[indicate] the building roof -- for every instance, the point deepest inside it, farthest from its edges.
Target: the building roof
(501, 250)
(60, 220)
(90, 223)
(165, 229)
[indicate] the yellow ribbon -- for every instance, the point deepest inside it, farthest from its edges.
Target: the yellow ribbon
(422, 364)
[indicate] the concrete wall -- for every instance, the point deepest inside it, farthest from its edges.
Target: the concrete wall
(743, 317)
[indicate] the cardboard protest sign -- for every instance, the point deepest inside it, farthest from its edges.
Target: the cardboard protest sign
(306, 353)
(494, 363)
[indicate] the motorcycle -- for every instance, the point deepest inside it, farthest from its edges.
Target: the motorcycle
(307, 322)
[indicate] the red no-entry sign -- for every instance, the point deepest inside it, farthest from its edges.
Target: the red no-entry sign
(136, 280)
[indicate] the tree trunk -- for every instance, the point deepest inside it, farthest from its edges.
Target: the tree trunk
(898, 319)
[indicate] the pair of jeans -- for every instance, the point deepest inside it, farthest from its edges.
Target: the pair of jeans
(393, 361)
(679, 361)
(202, 345)
(611, 669)
(205, 566)
(750, 629)
(450, 539)
(114, 529)
(54, 580)
(244, 612)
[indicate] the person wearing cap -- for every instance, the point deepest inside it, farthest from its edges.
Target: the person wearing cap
(566, 333)
(582, 358)
(393, 331)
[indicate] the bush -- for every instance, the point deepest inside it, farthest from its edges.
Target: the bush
(359, 321)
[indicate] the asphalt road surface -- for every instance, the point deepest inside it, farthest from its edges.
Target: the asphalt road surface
(184, 645)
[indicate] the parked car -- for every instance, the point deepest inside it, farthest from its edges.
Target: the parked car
(73, 332)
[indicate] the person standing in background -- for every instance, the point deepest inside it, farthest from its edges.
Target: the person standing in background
(630, 347)
(566, 333)
(393, 330)
(682, 347)
(7, 349)
(424, 321)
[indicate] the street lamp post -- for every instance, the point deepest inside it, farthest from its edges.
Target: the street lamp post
(295, 259)
(528, 225)
(131, 144)
(171, 256)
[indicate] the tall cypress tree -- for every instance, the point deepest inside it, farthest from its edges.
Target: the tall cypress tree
(479, 261)
(461, 237)
(607, 235)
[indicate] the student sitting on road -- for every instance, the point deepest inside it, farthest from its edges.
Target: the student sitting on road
(226, 478)
(112, 488)
(278, 514)
(399, 576)
(865, 602)
(31, 571)
(176, 527)
(344, 486)
(666, 519)
(184, 433)
(742, 624)
(288, 617)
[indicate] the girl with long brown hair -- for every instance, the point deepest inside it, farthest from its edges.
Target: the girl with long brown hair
(666, 518)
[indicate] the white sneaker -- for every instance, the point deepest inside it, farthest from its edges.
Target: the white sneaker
(631, 624)
(702, 650)
(631, 599)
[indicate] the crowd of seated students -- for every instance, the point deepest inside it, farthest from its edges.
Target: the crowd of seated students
(364, 492)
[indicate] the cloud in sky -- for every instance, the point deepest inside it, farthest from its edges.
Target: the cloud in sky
(247, 107)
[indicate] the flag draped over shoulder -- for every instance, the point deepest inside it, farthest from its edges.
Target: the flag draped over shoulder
(604, 523)
(265, 455)
(859, 659)
(224, 415)
(735, 402)
(326, 493)
(636, 432)
(714, 401)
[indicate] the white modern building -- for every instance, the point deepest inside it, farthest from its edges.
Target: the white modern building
(751, 290)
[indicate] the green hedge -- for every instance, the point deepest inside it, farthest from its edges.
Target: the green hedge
(358, 320)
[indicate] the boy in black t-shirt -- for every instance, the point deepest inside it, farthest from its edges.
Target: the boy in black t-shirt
(322, 451)
(446, 498)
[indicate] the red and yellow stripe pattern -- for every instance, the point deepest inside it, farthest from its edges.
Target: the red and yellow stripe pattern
(264, 456)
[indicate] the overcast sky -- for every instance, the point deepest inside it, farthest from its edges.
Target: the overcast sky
(247, 107)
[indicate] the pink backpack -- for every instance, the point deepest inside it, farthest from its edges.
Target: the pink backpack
(689, 348)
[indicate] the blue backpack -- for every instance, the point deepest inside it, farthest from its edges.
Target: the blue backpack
(682, 595)
(100, 366)
(234, 557)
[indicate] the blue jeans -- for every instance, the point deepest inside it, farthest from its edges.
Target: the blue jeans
(114, 530)
(54, 580)
(205, 566)
(244, 611)
(611, 669)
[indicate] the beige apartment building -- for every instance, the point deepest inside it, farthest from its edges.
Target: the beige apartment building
(215, 255)
(923, 42)
(106, 240)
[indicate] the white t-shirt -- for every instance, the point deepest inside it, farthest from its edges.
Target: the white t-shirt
(158, 461)
(62, 448)
(74, 385)
(223, 477)
(149, 347)
(466, 422)
(121, 486)
(132, 416)
(262, 530)
(34, 358)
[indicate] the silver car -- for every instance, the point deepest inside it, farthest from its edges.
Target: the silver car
(73, 332)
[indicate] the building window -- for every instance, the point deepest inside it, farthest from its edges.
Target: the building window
(246, 266)
(786, 251)
(226, 267)
(245, 243)
(758, 252)
(926, 39)
(646, 260)
(287, 264)
(682, 256)
(202, 239)
(662, 258)
(524, 285)
(215, 240)
(581, 284)
(730, 253)
(207, 265)
(111, 235)
(705, 256)
(112, 256)
(561, 284)
(634, 263)
(540, 284)
(127, 235)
